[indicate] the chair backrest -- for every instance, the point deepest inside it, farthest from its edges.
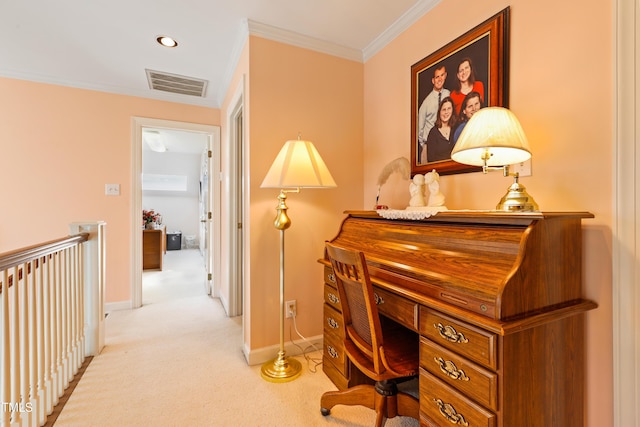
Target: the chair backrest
(362, 327)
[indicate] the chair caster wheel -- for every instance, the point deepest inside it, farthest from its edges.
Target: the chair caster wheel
(324, 411)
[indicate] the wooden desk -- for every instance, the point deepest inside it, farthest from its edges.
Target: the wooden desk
(497, 301)
(153, 248)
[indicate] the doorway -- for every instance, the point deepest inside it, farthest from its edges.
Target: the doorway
(212, 220)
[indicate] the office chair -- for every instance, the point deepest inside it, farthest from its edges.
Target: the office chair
(384, 351)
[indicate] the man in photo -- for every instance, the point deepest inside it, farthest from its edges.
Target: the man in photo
(428, 110)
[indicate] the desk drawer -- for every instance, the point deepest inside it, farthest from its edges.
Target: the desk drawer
(331, 297)
(402, 310)
(333, 322)
(334, 352)
(335, 375)
(474, 381)
(329, 277)
(466, 340)
(445, 406)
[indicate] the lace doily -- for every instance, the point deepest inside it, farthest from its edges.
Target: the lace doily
(407, 214)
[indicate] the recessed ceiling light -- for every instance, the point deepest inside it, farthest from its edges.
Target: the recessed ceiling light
(167, 41)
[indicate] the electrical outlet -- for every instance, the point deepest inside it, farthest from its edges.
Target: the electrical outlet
(290, 308)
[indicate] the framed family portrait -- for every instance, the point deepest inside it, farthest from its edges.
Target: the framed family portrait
(450, 85)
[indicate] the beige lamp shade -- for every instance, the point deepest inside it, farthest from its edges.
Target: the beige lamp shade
(492, 137)
(298, 165)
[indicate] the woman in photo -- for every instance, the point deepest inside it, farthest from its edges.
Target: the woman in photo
(440, 139)
(466, 83)
(471, 104)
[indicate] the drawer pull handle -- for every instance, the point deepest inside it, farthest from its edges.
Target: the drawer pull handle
(449, 412)
(450, 334)
(333, 324)
(332, 352)
(450, 369)
(333, 298)
(331, 277)
(378, 299)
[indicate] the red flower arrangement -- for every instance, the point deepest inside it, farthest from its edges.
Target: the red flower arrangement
(150, 216)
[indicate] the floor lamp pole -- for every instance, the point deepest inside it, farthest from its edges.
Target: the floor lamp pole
(282, 369)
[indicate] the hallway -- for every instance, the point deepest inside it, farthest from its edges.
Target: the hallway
(182, 276)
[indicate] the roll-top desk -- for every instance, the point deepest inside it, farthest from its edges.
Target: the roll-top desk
(497, 301)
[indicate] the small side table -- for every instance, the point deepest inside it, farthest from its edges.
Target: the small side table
(153, 248)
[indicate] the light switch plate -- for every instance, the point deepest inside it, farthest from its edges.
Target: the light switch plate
(112, 189)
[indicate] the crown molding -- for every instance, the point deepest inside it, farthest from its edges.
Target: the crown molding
(232, 65)
(296, 39)
(409, 18)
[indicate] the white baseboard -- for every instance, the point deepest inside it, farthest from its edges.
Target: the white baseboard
(117, 306)
(223, 301)
(261, 355)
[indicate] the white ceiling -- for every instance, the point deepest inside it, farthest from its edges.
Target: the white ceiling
(177, 141)
(107, 45)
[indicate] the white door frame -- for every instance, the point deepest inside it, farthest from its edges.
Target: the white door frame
(626, 225)
(212, 224)
(137, 124)
(237, 189)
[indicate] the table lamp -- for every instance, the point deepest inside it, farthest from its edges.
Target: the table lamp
(494, 139)
(298, 165)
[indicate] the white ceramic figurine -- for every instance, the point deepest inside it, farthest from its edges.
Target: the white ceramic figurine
(416, 189)
(432, 179)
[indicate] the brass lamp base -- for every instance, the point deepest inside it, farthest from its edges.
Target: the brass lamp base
(281, 369)
(517, 199)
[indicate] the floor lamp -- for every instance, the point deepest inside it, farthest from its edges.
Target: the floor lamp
(298, 165)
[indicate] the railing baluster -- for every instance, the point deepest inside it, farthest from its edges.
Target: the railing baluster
(23, 328)
(33, 349)
(81, 305)
(64, 313)
(47, 327)
(5, 356)
(58, 388)
(14, 344)
(40, 409)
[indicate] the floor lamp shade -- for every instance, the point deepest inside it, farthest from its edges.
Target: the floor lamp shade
(298, 165)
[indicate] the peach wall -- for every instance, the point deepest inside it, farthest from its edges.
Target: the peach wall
(60, 146)
(561, 88)
(296, 90)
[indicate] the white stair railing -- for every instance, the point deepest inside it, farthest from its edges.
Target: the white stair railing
(45, 322)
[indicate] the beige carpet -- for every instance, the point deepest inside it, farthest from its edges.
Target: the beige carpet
(177, 361)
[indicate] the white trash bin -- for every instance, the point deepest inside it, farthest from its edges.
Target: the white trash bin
(190, 242)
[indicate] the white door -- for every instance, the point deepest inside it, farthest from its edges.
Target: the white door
(204, 209)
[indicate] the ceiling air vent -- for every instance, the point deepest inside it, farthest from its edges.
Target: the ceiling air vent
(176, 84)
